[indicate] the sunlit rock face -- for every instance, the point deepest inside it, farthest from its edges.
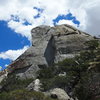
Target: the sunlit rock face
(49, 45)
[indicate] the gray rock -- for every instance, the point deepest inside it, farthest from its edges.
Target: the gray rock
(58, 93)
(49, 45)
(35, 85)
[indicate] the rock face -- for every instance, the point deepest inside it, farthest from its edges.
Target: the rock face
(49, 45)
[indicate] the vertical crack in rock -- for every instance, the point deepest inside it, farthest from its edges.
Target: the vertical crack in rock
(50, 51)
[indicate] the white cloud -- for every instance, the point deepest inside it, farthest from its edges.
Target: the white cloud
(13, 54)
(86, 11)
(20, 28)
(66, 22)
(6, 65)
(93, 25)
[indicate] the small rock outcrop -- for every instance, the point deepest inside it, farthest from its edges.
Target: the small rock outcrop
(35, 85)
(49, 45)
(58, 93)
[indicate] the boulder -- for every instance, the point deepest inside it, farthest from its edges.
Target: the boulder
(58, 93)
(35, 85)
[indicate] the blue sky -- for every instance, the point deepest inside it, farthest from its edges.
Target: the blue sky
(9, 40)
(68, 16)
(18, 17)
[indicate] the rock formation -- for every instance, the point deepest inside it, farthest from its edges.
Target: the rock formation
(49, 45)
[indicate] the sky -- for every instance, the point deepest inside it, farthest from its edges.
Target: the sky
(18, 17)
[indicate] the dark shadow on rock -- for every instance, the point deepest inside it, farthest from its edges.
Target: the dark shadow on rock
(21, 70)
(50, 51)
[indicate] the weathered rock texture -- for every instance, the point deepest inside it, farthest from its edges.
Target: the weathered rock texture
(49, 45)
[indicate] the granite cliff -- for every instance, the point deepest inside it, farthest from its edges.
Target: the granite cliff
(49, 45)
(63, 63)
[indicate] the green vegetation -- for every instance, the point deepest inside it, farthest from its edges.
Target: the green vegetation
(22, 94)
(93, 44)
(14, 89)
(50, 77)
(88, 86)
(46, 73)
(12, 83)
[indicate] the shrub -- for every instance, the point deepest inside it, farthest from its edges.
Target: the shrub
(67, 62)
(22, 94)
(48, 72)
(88, 86)
(12, 83)
(92, 44)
